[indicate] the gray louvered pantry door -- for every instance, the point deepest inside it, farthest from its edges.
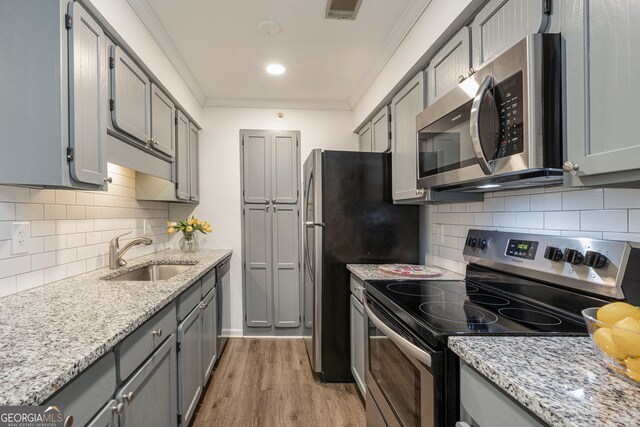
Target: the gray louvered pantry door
(284, 176)
(286, 277)
(258, 265)
(256, 167)
(87, 98)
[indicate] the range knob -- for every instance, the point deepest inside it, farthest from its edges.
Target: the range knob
(553, 253)
(595, 259)
(573, 256)
(483, 244)
(473, 242)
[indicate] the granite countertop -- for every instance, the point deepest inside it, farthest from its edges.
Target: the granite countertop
(560, 379)
(49, 334)
(371, 272)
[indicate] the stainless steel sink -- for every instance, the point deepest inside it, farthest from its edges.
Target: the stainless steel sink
(152, 272)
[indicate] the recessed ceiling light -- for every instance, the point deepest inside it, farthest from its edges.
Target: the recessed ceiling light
(269, 28)
(275, 69)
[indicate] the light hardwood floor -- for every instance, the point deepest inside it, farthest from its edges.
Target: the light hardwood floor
(268, 382)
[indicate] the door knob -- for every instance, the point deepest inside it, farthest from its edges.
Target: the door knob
(266, 208)
(157, 332)
(118, 409)
(108, 179)
(128, 397)
(570, 167)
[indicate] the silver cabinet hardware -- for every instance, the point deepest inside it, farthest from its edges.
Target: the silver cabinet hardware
(461, 78)
(118, 409)
(266, 208)
(202, 306)
(128, 397)
(157, 333)
(471, 72)
(273, 200)
(108, 179)
(570, 167)
(420, 192)
(275, 208)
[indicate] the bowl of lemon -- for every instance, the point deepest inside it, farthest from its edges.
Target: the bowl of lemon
(615, 332)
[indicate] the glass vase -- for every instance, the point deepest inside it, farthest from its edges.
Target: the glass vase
(189, 242)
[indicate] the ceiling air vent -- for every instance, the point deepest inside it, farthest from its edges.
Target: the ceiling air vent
(342, 9)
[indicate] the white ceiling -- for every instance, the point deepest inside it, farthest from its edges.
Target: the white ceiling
(217, 48)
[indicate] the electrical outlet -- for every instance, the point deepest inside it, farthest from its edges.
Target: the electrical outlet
(20, 236)
(146, 227)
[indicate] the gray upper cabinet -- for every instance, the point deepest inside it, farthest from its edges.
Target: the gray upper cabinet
(365, 142)
(88, 97)
(150, 395)
(256, 157)
(284, 177)
(190, 364)
(130, 96)
(286, 266)
(53, 107)
(258, 266)
(405, 106)
(602, 58)
(163, 134)
(381, 131)
(449, 66)
(182, 156)
(194, 171)
(502, 23)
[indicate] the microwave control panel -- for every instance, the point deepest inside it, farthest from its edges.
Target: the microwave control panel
(508, 98)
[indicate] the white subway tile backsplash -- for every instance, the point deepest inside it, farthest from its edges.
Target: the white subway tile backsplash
(516, 203)
(621, 198)
(66, 256)
(65, 226)
(494, 204)
(55, 212)
(43, 196)
(14, 194)
(44, 260)
(54, 274)
(84, 225)
(36, 245)
(7, 211)
(504, 219)
(43, 228)
(562, 220)
(65, 197)
(583, 200)
(30, 280)
(76, 212)
(611, 220)
(546, 202)
(634, 220)
(483, 219)
(84, 198)
(629, 237)
(29, 211)
(530, 219)
(458, 207)
(14, 266)
(8, 286)
(54, 243)
(582, 233)
(76, 240)
(76, 268)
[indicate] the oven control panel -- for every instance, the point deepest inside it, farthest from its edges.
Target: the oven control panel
(595, 266)
(508, 97)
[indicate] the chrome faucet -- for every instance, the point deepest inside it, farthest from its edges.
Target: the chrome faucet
(115, 253)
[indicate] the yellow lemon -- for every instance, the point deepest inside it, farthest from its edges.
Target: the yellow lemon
(602, 338)
(616, 311)
(189, 229)
(190, 221)
(633, 368)
(626, 335)
(171, 230)
(196, 221)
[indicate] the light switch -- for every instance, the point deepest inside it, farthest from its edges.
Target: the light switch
(20, 236)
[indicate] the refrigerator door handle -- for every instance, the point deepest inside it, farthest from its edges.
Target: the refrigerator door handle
(314, 224)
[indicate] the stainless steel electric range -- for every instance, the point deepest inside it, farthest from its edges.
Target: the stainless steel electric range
(516, 284)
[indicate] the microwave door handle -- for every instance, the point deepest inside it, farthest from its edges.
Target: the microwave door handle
(486, 84)
(398, 340)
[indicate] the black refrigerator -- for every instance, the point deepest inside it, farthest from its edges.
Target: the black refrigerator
(349, 218)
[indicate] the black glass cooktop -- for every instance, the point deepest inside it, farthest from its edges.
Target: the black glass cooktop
(442, 308)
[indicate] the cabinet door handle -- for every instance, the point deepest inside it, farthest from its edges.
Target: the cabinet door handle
(275, 208)
(68, 422)
(273, 200)
(266, 208)
(108, 179)
(118, 409)
(570, 167)
(202, 306)
(128, 397)
(157, 332)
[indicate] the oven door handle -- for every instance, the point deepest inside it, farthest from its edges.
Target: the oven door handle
(398, 340)
(474, 121)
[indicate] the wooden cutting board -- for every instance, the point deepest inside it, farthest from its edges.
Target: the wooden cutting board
(410, 270)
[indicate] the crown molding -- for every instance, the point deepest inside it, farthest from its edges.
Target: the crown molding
(407, 20)
(143, 9)
(293, 104)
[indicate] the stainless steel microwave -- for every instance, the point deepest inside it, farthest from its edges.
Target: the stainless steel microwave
(499, 128)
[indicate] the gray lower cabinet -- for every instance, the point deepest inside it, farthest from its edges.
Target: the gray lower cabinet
(163, 135)
(150, 395)
(602, 59)
(381, 131)
(190, 364)
(502, 23)
(86, 395)
(405, 106)
(130, 102)
(258, 266)
(365, 140)
(449, 66)
(358, 334)
(286, 274)
(209, 333)
(54, 95)
(108, 415)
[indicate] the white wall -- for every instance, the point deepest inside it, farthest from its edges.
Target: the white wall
(220, 191)
(125, 21)
(433, 22)
(609, 213)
